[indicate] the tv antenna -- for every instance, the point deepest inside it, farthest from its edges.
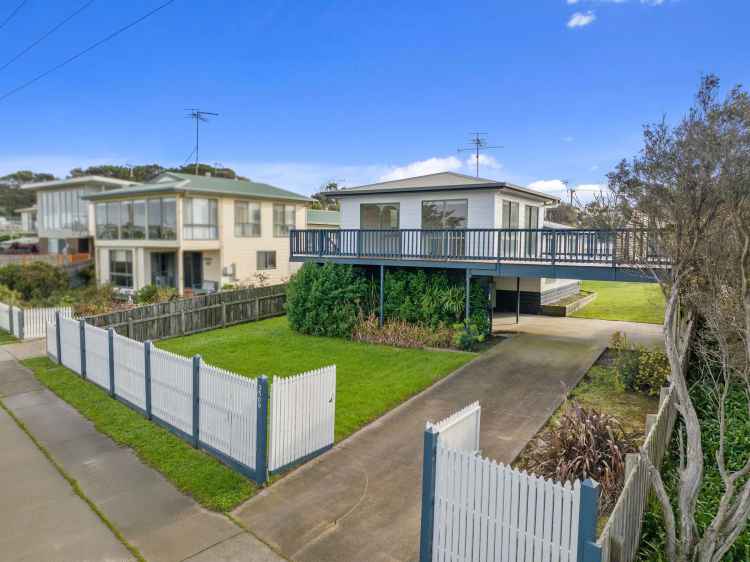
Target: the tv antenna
(198, 115)
(479, 142)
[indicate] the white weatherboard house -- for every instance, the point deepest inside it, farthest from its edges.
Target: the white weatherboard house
(442, 217)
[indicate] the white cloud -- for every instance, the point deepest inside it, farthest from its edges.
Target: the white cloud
(653, 2)
(548, 186)
(485, 161)
(567, 139)
(423, 167)
(581, 19)
(594, 168)
(571, 2)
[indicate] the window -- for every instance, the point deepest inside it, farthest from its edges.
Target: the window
(449, 214)
(510, 214)
(246, 219)
(200, 219)
(121, 268)
(532, 222)
(162, 219)
(266, 260)
(283, 219)
(379, 216)
(108, 220)
(532, 216)
(133, 216)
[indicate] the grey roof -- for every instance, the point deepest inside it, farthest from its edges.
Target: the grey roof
(441, 181)
(80, 179)
(318, 216)
(171, 182)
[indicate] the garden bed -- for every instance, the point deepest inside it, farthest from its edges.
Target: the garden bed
(569, 304)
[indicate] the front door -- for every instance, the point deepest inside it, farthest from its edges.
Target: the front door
(163, 269)
(193, 267)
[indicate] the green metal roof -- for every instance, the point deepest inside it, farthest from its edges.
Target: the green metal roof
(317, 216)
(171, 182)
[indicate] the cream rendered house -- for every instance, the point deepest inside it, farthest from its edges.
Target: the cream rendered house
(195, 233)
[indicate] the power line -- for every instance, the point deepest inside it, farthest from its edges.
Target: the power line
(12, 14)
(84, 51)
(47, 34)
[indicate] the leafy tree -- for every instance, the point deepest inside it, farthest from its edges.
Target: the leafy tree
(12, 198)
(564, 213)
(322, 199)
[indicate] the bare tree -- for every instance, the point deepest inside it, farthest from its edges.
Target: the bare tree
(691, 185)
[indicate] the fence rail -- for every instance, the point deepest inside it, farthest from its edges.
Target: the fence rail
(26, 323)
(196, 314)
(629, 247)
(218, 411)
(621, 535)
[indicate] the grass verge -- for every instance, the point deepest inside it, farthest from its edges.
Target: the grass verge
(193, 472)
(371, 379)
(74, 484)
(5, 337)
(631, 302)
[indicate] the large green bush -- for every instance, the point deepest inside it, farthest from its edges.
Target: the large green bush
(325, 300)
(36, 281)
(332, 299)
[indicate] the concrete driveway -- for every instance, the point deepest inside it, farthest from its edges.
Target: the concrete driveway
(361, 501)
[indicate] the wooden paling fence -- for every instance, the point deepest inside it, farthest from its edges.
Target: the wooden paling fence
(475, 509)
(223, 413)
(180, 317)
(622, 533)
(25, 323)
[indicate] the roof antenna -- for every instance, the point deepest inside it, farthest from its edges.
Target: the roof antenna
(198, 115)
(479, 142)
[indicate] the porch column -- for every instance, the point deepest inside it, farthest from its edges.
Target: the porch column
(518, 300)
(468, 295)
(180, 273)
(382, 268)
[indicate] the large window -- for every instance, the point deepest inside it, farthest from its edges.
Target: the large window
(200, 219)
(63, 209)
(108, 220)
(162, 219)
(153, 219)
(246, 219)
(283, 219)
(446, 214)
(266, 260)
(121, 268)
(510, 214)
(379, 216)
(133, 216)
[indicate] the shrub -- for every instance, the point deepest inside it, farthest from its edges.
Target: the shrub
(467, 336)
(36, 280)
(584, 443)
(9, 296)
(325, 300)
(151, 294)
(94, 300)
(639, 368)
(401, 334)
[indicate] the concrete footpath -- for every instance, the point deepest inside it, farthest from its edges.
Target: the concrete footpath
(361, 501)
(42, 519)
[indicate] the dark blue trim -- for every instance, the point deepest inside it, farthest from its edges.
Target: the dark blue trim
(82, 331)
(381, 317)
(58, 338)
(467, 295)
(261, 424)
(231, 463)
(302, 460)
(111, 342)
(196, 399)
(172, 429)
(130, 405)
(147, 375)
(429, 462)
(10, 321)
(21, 325)
(588, 550)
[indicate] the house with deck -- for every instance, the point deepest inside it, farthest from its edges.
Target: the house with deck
(194, 233)
(489, 229)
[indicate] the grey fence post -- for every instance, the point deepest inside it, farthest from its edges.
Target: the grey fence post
(82, 332)
(21, 323)
(111, 344)
(10, 320)
(429, 462)
(58, 338)
(261, 436)
(147, 375)
(588, 550)
(196, 399)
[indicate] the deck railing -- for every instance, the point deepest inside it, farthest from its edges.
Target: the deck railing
(613, 247)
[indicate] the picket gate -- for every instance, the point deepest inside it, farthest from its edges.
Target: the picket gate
(303, 410)
(172, 389)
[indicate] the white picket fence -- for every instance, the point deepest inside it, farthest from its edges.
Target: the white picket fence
(221, 412)
(475, 509)
(303, 409)
(27, 323)
(622, 533)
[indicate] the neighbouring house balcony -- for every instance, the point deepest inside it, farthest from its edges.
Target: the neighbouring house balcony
(576, 254)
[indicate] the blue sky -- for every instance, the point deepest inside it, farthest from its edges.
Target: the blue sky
(359, 91)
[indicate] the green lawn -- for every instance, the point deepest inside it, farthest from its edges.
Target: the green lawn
(5, 337)
(633, 302)
(371, 379)
(212, 484)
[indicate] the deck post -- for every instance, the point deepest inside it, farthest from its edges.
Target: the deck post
(518, 300)
(588, 550)
(429, 462)
(382, 275)
(468, 297)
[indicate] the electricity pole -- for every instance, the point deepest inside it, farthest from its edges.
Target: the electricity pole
(479, 142)
(198, 115)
